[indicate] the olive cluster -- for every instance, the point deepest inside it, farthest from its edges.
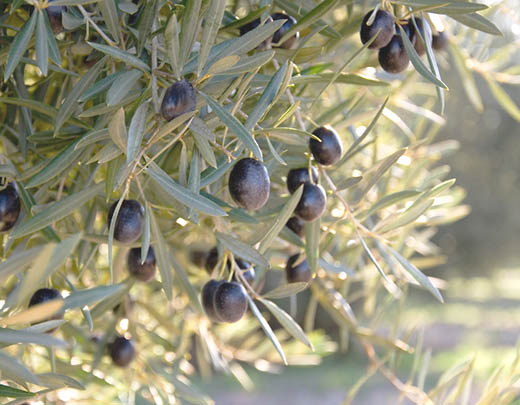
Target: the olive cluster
(277, 36)
(388, 40)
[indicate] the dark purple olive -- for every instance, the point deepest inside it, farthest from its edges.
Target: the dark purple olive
(122, 351)
(44, 295)
(312, 202)
(129, 222)
(208, 298)
(277, 36)
(296, 271)
(393, 57)
(230, 302)
(439, 41)
(384, 23)
(244, 29)
(141, 271)
(54, 13)
(296, 177)
(329, 150)
(180, 98)
(9, 207)
(249, 184)
(296, 225)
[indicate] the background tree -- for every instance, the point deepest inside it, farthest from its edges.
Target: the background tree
(141, 136)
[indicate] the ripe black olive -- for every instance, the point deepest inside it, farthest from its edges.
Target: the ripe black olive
(44, 295)
(290, 21)
(129, 222)
(122, 351)
(296, 225)
(9, 207)
(249, 184)
(180, 98)
(296, 177)
(329, 150)
(439, 41)
(208, 296)
(384, 23)
(393, 57)
(54, 13)
(230, 301)
(297, 272)
(141, 271)
(244, 29)
(312, 202)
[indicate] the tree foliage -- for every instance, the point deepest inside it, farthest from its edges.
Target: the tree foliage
(82, 128)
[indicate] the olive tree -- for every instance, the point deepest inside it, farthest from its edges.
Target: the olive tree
(175, 172)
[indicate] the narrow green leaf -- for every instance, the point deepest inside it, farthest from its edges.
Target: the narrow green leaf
(92, 137)
(182, 194)
(145, 238)
(278, 224)
(185, 283)
(12, 366)
(12, 336)
(212, 20)
(56, 211)
(47, 262)
(344, 78)
(108, 10)
(117, 130)
(54, 50)
(391, 199)
(70, 103)
(312, 243)
(267, 329)
(122, 86)
(136, 132)
(149, 14)
(72, 2)
(466, 76)
(287, 322)
(19, 45)
(365, 133)
(10, 392)
(171, 38)
(250, 63)
(162, 255)
(417, 62)
(310, 18)
(443, 7)
(286, 290)
(18, 261)
(476, 21)
(170, 126)
(417, 275)
(234, 126)
(121, 55)
(266, 98)
(189, 28)
(205, 149)
(56, 381)
(242, 250)
(100, 86)
(42, 43)
(82, 298)
(56, 166)
(503, 98)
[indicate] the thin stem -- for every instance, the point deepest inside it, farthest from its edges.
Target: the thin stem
(99, 30)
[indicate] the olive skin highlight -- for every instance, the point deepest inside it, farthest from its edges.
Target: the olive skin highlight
(296, 177)
(312, 203)
(297, 273)
(180, 98)
(122, 351)
(384, 23)
(129, 222)
(329, 150)
(230, 302)
(249, 184)
(141, 271)
(10, 207)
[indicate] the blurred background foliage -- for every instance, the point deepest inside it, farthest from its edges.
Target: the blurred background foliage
(410, 341)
